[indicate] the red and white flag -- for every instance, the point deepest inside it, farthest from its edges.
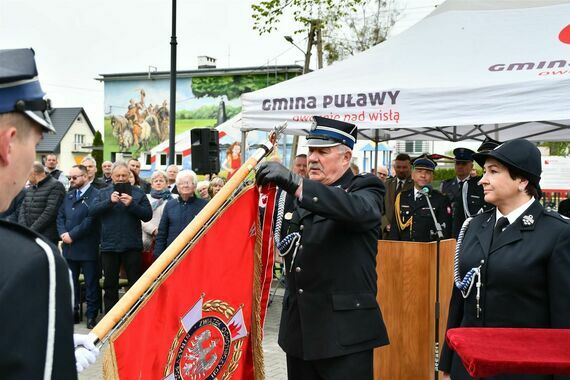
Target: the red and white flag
(204, 319)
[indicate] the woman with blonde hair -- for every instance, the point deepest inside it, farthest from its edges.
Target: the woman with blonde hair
(215, 186)
(158, 197)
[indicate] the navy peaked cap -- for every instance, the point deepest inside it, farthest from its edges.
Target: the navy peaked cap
(488, 144)
(329, 132)
(20, 89)
(519, 154)
(424, 162)
(463, 154)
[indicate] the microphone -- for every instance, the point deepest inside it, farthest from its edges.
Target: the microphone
(425, 191)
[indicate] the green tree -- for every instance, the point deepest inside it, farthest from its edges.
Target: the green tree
(97, 152)
(349, 26)
(233, 86)
(359, 31)
(557, 148)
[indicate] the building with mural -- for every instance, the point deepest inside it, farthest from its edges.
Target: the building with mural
(137, 106)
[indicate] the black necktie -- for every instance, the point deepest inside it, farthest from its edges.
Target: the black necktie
(502, 223)
(398, 187)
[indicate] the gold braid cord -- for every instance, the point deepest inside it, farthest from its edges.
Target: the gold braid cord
(401, 225)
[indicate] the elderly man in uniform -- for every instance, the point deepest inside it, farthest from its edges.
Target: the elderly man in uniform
(37, 319)
(452, 188)
(412, 219)
(330, 321)
(402, 181)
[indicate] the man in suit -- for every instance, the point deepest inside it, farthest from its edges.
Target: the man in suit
(171, 173)
(330, 321)
(394, 185)
(91, 165)
(452, 188)
(36, 317)
(412, 219)
(80, 236)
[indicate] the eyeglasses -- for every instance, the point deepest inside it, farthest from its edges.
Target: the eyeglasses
(74, 177)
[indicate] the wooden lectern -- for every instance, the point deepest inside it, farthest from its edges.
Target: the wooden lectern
(407, 296)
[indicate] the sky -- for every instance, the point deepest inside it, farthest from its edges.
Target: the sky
(76, 41)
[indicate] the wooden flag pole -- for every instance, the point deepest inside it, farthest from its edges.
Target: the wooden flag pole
(113, 317)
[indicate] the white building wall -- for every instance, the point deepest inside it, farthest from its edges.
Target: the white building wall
(70, 154)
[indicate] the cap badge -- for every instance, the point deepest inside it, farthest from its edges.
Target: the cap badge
(313, 125)
(528, 220)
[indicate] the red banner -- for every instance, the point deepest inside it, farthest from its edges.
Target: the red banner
(204, 320)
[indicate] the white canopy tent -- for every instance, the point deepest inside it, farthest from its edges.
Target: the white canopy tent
(470, 69)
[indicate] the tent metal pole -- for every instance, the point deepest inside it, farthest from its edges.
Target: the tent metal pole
(376, 138)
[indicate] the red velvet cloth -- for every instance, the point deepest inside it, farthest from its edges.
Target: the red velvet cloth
(493, 351)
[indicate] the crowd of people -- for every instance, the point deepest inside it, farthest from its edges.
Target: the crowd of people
(108, 225)
(510, 249)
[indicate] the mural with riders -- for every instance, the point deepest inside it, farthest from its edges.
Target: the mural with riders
(137, 112)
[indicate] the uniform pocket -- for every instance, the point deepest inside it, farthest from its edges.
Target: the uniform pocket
(356, 318)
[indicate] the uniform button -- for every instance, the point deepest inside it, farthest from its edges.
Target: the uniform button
(301, 227)
(300, 291)
(298, 269)
(358, 304)
(301, 246)
(482, 261)
(315, 199)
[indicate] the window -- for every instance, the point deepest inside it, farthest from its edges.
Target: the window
(178, 159)
(78, 142)
(163, 159)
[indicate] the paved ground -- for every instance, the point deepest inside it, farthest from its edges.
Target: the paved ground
(275, 366)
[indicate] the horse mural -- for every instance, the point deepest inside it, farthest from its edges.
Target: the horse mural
(141, 125)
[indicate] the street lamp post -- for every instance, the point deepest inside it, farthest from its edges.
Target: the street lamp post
(307, 54)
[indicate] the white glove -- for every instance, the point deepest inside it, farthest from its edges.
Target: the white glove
(85, 350)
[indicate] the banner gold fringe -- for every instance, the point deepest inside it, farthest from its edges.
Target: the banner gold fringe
(110, 370)
(256, 328)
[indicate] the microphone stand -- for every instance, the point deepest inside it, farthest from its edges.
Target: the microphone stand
(439, 236)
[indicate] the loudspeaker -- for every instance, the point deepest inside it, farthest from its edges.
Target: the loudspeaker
(205, 150)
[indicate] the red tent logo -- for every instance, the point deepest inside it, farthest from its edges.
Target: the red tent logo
(564, 35)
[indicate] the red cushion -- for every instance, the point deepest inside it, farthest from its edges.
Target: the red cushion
(494, 351)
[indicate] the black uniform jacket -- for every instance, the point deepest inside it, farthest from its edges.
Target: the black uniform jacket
(473, 197)
(330, 306)
(525, 279)
(25, 294)
(422, 227)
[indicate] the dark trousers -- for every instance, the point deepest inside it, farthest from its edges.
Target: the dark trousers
(132, 262)
(353, 366)
(91, 274)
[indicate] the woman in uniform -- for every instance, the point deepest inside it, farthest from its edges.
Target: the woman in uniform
(512, 262)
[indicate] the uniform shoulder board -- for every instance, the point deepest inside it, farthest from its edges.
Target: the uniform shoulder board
(556, 215)
(363, 180)
(21, 230)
